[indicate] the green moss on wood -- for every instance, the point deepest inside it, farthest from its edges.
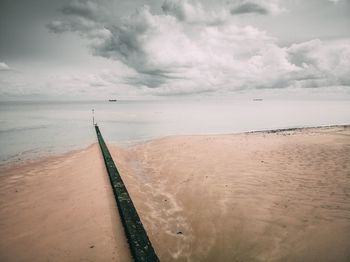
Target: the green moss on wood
(140, 246)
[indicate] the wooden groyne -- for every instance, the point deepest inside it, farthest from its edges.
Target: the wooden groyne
(140, 245)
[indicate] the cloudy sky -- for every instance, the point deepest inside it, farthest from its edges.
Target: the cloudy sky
(86, 49)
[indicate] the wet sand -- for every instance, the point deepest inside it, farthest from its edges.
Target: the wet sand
(249, 197)
(60, 209)
(281, 196)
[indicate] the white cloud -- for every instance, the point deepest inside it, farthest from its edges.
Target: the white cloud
(184, 51)
(322, 64)
(4, 67)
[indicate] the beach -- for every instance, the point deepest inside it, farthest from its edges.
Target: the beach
(60, 209)
(259, 196)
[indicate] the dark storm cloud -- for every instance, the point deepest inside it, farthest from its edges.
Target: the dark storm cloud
(58, 27)
(245, 8)
(82, 16)
(262, 7)
(84, 8)
(192, 12)
(120, 41)
(173, 7)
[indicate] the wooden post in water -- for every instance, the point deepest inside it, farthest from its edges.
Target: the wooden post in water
(140, 246)
(93, 117)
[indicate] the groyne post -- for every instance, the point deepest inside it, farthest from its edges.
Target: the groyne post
(93, 117)
(140, 245)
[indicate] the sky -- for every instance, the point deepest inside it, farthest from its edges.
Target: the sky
(100, 49)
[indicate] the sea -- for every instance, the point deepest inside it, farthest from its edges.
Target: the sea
(33, 129)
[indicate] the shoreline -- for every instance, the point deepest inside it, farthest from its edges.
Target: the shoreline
(38, 156)
(267, 131)
(279, 196)
(71, 149)
(36, 160)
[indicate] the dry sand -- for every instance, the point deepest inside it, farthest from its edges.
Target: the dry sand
(248, 197)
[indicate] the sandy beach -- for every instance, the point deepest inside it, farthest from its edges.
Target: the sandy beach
(264, 196)
(60, 209)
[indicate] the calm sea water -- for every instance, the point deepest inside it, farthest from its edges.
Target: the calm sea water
(32, 129)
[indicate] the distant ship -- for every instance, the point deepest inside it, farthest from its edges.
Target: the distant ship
(257, 99)
(112, 100)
